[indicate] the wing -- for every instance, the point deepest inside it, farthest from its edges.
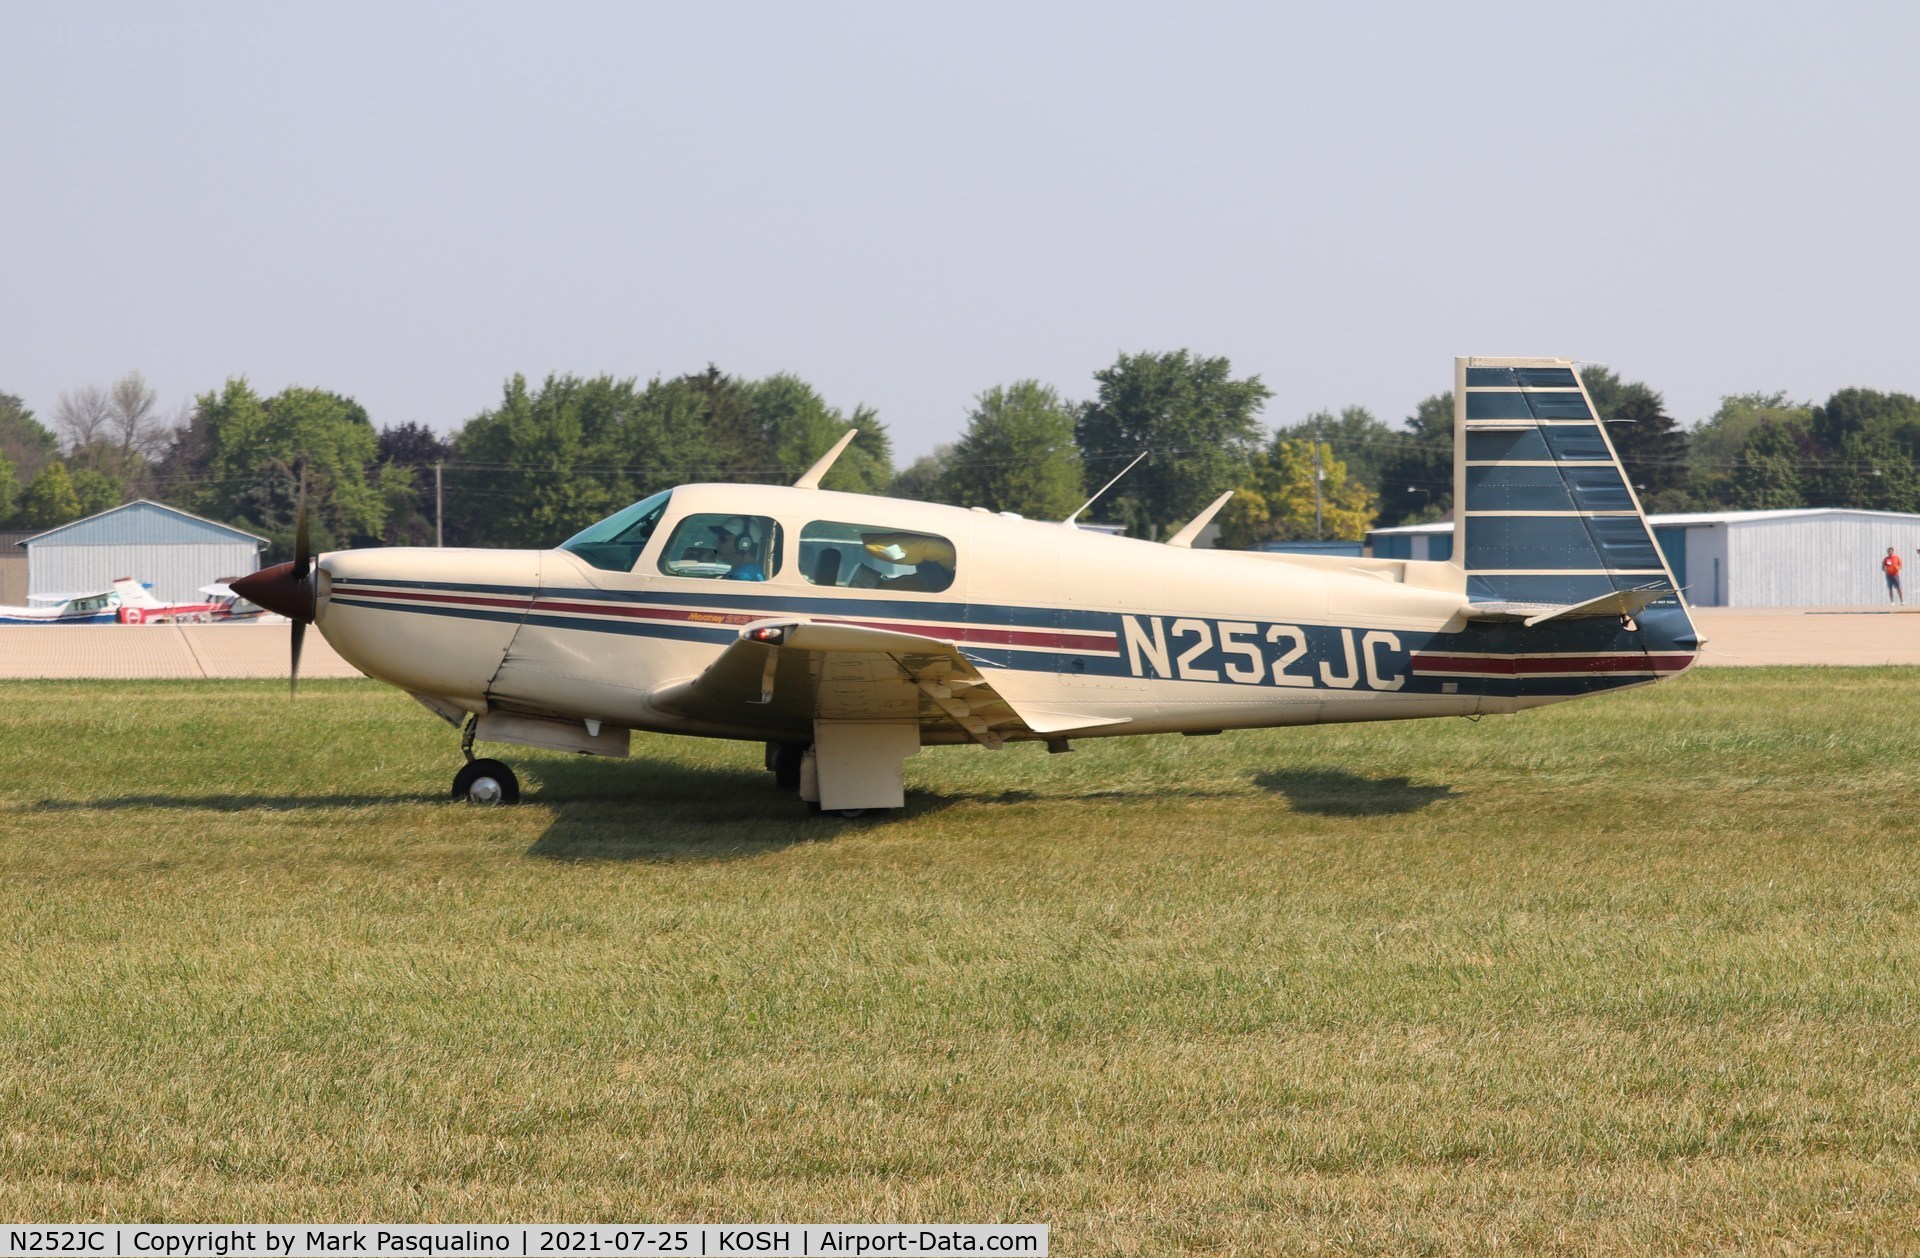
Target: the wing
(792, 672)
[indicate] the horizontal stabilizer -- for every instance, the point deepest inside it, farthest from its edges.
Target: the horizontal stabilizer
(1618, 603)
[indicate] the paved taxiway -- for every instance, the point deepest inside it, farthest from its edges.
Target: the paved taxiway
(134, 652)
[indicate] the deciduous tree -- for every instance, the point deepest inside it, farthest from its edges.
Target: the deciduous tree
(534, 469)
(1716, 446)
(1652, 448)
(923, 478)
(240, 452)
(407, 455)
(1279, 502)
(792, 426)
(96, 492)
(1416, 477)
(24, 440)
(1198, 424)
(50, 500)
(1767, 472)
(80, 416)
(1017, 454)
(1360, 441)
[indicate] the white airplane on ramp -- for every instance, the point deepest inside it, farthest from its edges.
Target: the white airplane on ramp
(846, 631)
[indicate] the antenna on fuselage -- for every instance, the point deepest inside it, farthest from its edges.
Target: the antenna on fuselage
(1184, 538)
(810, 479)
(1069, 521)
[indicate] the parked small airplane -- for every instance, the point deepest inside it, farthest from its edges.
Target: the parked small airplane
(233, 607)
(847, 631)
(138, 606)
(64, 609)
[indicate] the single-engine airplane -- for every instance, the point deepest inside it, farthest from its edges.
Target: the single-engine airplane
(64, 609)
(138, 606)
(847, 631)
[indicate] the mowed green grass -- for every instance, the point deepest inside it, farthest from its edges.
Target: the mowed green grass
(1635, 974)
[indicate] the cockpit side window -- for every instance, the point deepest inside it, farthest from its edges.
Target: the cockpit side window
(615, 543)
(874, 557)
(723, 547)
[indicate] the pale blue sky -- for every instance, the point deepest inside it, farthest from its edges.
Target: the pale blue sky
(906, 204)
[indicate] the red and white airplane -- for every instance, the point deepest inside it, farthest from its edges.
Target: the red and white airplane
(138, 606)
(847, 631)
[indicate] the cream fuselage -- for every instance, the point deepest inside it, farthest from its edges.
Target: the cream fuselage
(1164, 639)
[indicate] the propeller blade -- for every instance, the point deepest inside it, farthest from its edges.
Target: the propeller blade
(303, 573)
(293, 675)
(302, 552)
(288, 588)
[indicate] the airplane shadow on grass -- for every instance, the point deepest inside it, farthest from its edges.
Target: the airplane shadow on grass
(1320, 792)
(662, 810)
(1337, 793)
(656, 810)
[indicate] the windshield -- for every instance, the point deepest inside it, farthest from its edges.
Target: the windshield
(616, 542)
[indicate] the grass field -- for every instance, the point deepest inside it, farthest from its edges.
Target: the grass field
(1636, 974)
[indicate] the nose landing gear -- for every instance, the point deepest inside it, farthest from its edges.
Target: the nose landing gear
(486, 782)
(483, 781)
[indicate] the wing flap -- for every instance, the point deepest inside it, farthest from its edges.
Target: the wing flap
(791, 673)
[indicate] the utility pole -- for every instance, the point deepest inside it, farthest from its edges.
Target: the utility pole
(439, 538)
(1319, 523)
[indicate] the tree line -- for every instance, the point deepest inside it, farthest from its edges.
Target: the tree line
(553, 456)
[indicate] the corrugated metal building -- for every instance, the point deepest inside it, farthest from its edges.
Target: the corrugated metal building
(174, 552)
(1811, 557)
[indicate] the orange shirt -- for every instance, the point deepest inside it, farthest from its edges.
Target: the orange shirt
(1891, 565)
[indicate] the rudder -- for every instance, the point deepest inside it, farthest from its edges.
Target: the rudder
(1547, 517)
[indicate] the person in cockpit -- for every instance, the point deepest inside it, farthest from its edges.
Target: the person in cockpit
(745, 559)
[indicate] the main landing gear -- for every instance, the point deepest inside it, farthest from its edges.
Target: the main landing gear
(851, 767)
(784, 759)
(483, 781)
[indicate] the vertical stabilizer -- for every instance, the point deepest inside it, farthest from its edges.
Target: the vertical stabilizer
(134, 594)
(1547, 517)
(1550, 532)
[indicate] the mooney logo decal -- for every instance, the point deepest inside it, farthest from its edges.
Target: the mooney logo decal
(1249, 653)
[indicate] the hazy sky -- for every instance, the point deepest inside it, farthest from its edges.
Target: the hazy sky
(908, 203)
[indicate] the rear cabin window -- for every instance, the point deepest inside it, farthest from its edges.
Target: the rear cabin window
(874, 557)
(723, 548)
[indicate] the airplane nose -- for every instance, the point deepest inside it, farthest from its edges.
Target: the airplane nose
(278, 589)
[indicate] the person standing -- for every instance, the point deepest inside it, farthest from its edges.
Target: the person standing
(1891, 566)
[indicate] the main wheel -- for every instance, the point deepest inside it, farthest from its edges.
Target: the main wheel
(486, 782)
(784, 759)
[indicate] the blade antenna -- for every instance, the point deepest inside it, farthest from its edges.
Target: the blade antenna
(1184, 539)
(1069, 521)
(810, 479)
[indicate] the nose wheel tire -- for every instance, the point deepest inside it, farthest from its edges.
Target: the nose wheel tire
(486, 782)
